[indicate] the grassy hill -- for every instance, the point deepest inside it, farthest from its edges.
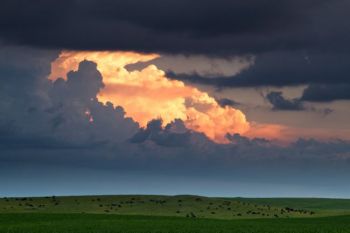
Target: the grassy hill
(179, 206)
(321, 206)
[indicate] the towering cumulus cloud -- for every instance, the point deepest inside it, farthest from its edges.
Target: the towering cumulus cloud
(148, 94)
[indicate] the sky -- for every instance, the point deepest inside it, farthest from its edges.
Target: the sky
(219, 98)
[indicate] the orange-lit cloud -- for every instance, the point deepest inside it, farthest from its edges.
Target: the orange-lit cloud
(147, 94)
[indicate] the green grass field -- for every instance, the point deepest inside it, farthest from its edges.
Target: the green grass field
(177, 214)
(102, 223)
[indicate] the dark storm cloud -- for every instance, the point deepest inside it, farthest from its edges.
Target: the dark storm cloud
(177, 26)
(38, 113)
(283, 69)
(294, 42)
(280, 103)
(326, 93)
